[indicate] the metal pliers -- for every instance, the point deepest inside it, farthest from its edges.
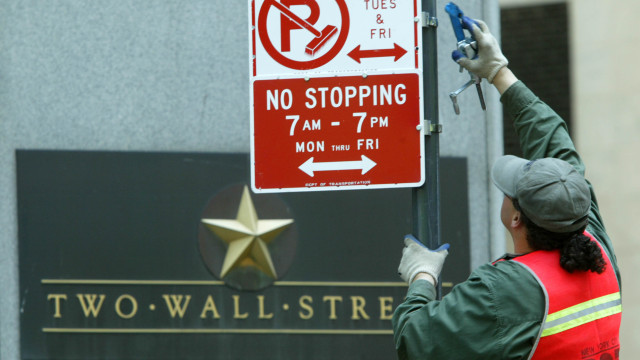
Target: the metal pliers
(466, 47)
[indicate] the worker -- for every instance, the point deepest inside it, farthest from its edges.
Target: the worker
(558, 295)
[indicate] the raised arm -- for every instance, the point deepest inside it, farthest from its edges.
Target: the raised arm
(542, 132)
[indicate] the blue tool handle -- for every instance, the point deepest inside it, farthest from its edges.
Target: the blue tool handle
(455, 14)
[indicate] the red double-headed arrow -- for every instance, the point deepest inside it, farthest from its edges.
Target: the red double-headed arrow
(397, 52)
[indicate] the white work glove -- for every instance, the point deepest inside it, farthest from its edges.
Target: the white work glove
(416, 258)
(490, 58)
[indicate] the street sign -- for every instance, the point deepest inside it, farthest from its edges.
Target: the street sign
(336, 95)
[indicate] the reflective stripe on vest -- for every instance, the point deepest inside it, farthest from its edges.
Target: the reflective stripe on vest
(582, 313)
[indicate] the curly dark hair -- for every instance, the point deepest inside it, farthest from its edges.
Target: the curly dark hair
(577, 251)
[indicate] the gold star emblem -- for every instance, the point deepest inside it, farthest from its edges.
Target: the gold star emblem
(247, 237)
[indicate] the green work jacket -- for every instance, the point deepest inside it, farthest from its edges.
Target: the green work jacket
(498, 311)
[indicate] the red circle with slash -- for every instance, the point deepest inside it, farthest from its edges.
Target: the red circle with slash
(302, 65)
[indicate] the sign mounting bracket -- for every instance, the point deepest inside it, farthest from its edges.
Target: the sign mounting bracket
(429, 21)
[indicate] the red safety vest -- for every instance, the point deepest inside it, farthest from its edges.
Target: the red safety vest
(583, 309)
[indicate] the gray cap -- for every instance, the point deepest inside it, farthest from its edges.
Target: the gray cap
(551, 192)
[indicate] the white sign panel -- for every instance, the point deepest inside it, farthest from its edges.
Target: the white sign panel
(295, 37)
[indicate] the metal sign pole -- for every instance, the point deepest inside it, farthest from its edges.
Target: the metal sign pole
(426, 199)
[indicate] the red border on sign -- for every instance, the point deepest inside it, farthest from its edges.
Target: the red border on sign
(415, 32)
(253, 35)
(303, 65)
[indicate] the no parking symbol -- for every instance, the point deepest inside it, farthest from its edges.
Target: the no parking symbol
(303, 34)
